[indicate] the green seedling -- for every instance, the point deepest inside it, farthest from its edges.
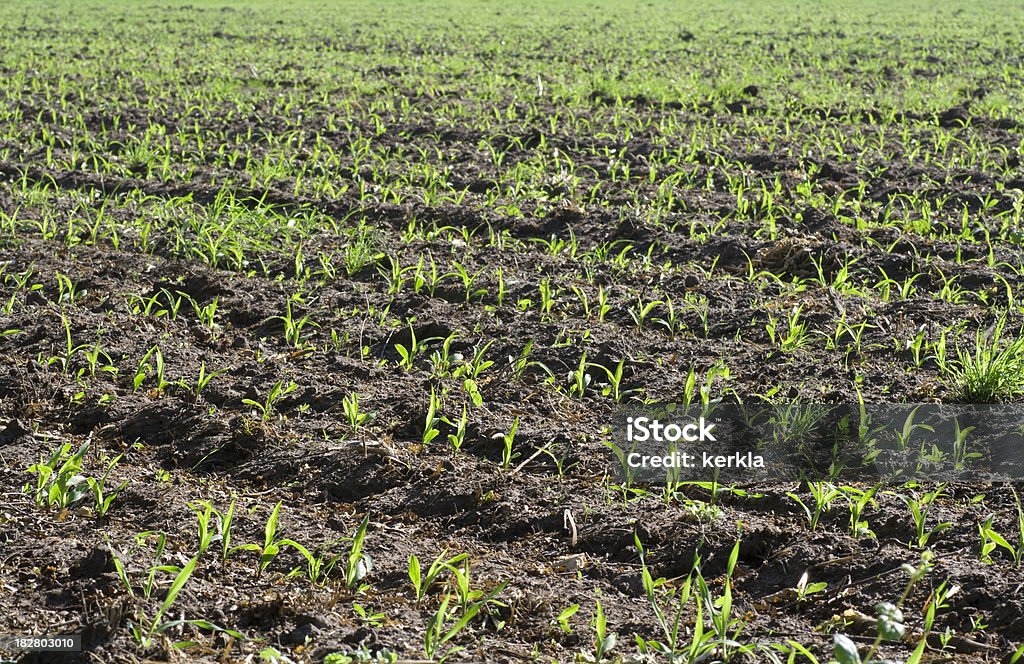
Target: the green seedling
(458, 437)
(604, 641)
(318, 565)
(293, 327)
(824, 494)
(991, 539)
(603, 307)
(562, 619)
(271, 543)
(214, 525)
(421, 584)
(97, 361)
(357, 563)
(805, 589)
(446, 624)
(642, 311)
(508, 439)
(430, 430)
(202, 380)
(63, 361)
(68, 292)
(858, 501)
(477, 364)
(906, 432)
(614, 388)
(797, 334)
(144, 633)
(353, 415)
(579, 378)
(415, 348)
(360, 251)
(548, 295)
(59, 481)
(395, 275)
(207, 314)
(143, 368)
(367, 617)
(672, 323)
(467, 280)
(102, 499)
(519, 364)
(267, 409)
(920, 509)
(994, 371)
(443, 359)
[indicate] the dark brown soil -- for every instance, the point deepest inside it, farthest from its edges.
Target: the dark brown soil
(553, 527)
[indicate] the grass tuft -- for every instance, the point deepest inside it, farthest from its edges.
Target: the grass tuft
(993, 372)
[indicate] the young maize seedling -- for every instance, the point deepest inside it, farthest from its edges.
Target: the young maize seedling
(614, 388)
(58, 479)
(293, 326)
(207, 314)
(413, 350)
(202, 380)
(562, 619)
(477, 364)
(641, 312)
(604, 641)
(920, 510)
(318, 565)
(858, 501)
(520, 363)
(93, 362)
(143, 368)
(547, 297)
(357, 563)
(355, 417)
(824, 493)
(271, 543)
(101, 498)
(508, 439)
(64, 360)
(214, 525)
(422, 584)
(990, 539)
(467, 281)
(442, 358)
(430, 430)
(579, 379)
(602, 303)
(266, 409)
(457, 438)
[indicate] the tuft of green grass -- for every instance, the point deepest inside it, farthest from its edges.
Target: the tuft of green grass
(992, 372)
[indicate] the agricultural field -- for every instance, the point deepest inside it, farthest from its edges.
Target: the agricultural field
(316, 322)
